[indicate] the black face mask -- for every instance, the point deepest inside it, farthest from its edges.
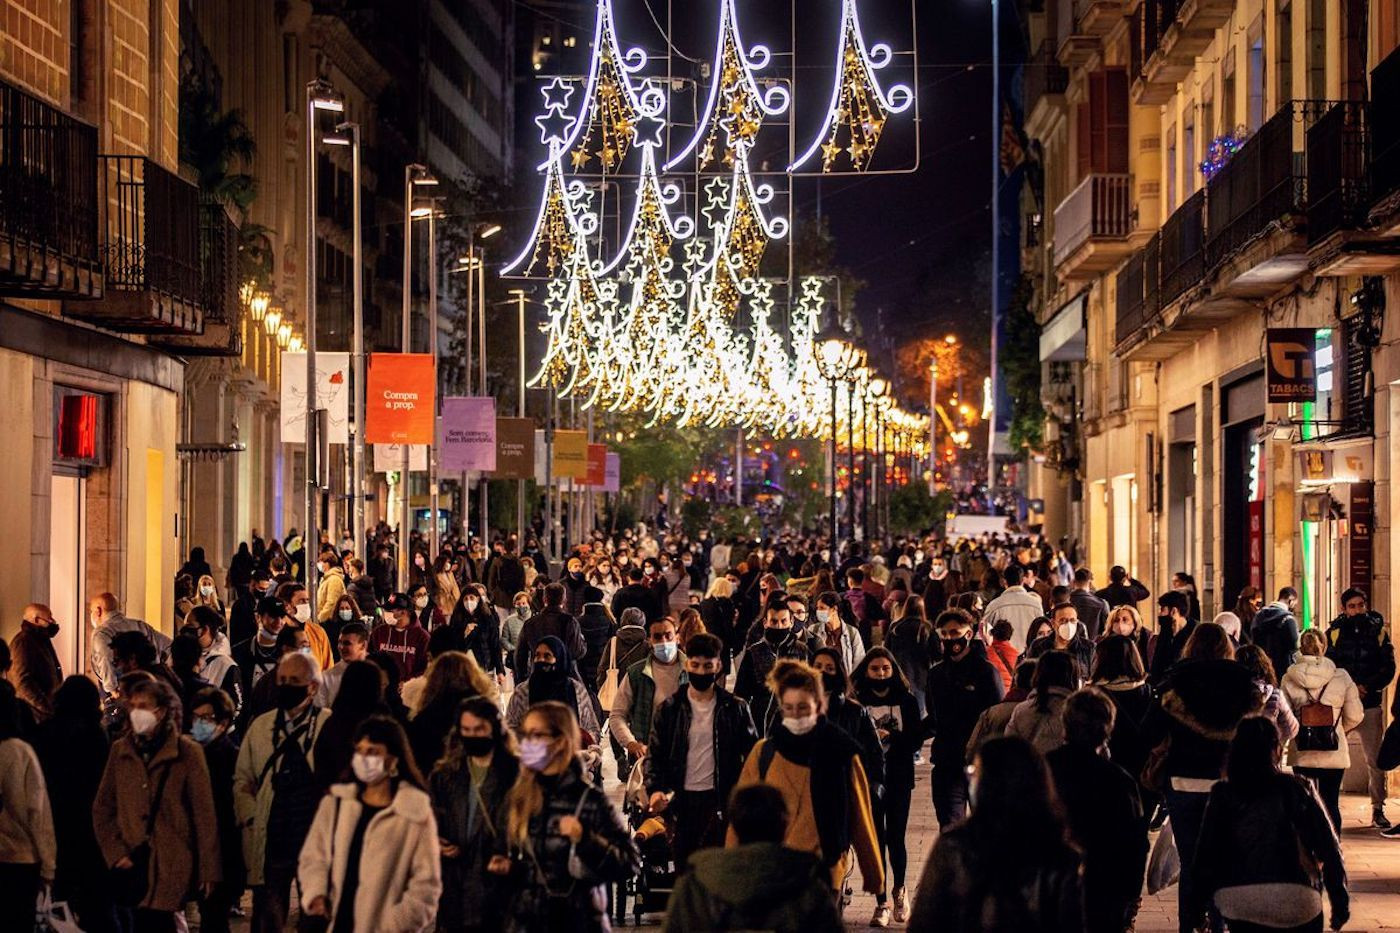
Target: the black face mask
(544, 667)
(478, 746)
(833, 683)
(954, 647)
(1164, 623)
(289, 696)
(878, 685)
(51, 629)
(775, 636)
(702, 682)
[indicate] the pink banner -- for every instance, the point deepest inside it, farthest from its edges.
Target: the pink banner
(467, 434)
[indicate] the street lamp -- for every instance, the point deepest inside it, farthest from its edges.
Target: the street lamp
(833, 358)
(476, 259)
(875, 394)
(519, 295)
(414, 176)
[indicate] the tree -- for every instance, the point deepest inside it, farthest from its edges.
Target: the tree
(914, 511)
(217, 144)
(1020, 363)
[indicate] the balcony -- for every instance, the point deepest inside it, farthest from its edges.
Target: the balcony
(1385, 144)
(150, 251)
(1097, 17)
(1046, 81)
(1092, 226)
(1183, 255)
(1167, 38)
(218, 280)
(48, 200)
(1134, 304)
(1340, 238)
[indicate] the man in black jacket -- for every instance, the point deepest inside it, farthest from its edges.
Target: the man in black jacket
(1174, 626)
(636, 594)
(1122, 589)
(552, 621)
(1359, 643)
(1275, 629)
(960, 687)
(779, 640)
(693, 781)
(1091, 608)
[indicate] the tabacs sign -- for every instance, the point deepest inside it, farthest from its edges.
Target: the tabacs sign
(1289, 356)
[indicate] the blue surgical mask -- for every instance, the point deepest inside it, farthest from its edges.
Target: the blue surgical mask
(203, 730)
(665, 651)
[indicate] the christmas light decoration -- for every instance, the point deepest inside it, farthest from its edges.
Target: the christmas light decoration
(858, 107)
(1221, 150)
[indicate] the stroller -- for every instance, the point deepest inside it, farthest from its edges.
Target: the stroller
(650, 889)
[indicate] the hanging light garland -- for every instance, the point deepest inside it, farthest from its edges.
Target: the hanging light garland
(1221, 150)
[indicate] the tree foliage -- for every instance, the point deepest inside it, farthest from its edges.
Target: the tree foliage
(1020, 365)
(914, 511)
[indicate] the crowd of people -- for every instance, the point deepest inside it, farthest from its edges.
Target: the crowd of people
(431, 756)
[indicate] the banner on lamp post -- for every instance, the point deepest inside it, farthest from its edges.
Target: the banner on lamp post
(332, 394)
(400, 398)
(612, 473)
(388, 458)
(542, 461)
(597, 466)
(571, 455)
(515, 448)
(467, 434)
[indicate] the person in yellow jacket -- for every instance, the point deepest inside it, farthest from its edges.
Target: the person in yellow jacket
(816, 766)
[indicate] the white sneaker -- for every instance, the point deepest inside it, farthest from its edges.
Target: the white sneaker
(901, 906)
(881, 918)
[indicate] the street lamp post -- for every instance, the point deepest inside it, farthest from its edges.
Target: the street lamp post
(413, 175)
(357, 490)
(833, 356)
(519, 295)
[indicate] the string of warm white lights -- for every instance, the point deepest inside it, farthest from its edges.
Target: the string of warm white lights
(694, 342)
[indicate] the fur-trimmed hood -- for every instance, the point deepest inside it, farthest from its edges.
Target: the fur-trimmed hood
(1210, 697)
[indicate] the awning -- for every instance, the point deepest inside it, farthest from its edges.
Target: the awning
(1062, 338)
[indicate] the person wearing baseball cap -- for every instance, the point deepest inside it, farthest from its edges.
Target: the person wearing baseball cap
(257, 655)
(402, 636)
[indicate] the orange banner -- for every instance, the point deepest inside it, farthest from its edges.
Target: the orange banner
(597, 465)
(399, 402)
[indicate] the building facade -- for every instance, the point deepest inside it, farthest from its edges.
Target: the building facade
(1214, 173)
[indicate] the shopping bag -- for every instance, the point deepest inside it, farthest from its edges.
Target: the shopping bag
(635, 792)
(1388, 755)
(1164, 864)
(51, 917)
(608, 691)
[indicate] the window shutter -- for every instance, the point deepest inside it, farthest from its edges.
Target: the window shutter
(1116, 130)
(1083, 144)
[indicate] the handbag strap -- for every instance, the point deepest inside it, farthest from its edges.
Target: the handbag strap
(155, 804)
(612, 654)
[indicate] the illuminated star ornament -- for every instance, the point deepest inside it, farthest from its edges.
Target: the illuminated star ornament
(610, 104)
(859, 106)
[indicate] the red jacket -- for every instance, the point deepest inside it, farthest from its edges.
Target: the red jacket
(1003, 656)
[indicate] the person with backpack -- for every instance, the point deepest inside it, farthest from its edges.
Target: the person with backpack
(1328, 706)
(1275, 629)
(1358, 641)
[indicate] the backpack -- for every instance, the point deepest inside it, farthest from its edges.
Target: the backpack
(1317, 725)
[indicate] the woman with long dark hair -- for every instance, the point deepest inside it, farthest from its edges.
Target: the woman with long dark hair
(567, 843)
(911, 642)
(1037, 719)
(1267, 849)
(361, 696)
(370, 861)
(884, 691)
(1007, 868)
(1120, 673)
(469, 785)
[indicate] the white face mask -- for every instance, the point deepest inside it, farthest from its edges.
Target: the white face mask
(421, 602)
(303, 612)
(471, 604)
(206, 591)
(800, 725)
(823, 615)
(1123, 627)
(143, 721)
(369, 769)
(1067, 630)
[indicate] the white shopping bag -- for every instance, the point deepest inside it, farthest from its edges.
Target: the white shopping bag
(1164, 864)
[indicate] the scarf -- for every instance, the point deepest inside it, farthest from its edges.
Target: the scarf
(826, 752)
(555, 684)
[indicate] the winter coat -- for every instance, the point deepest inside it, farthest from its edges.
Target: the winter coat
(484, 640)
(758, 886)
(851, 717)
(474, 820)
(721, 618)
(848, 643)
(954, 895)
(361, 589)
(915, 648)
(101, 647)
(1198, 711)
(1271, 835)
(992, 723)
(328, 593)
(668, 745)
(637, 595)
(606, 854)
(1360, 645)
(1043, 728)
(221, 757)
(750, 683)
(74, 756)
(34, 668)
(958, 691)
(1080, 649)
(897, 713)
(556, 622)
(1091, 609)
(26, 820)
(220, 669)
(1004, 658)
(253, 790)
(597, 631)
(1104, 811)
(1132, 701)
(400, 875)
(519, 705)
(1276, 631)
(632, 646)
(1317, 680)
(185, 839)
(1277, 711)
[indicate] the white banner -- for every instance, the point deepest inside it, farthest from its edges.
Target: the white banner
(388, 458)
(332, 394)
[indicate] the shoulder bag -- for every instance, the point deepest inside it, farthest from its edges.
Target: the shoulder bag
(608, 691)
(129, 886)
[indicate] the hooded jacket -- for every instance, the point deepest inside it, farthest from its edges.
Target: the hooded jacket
(1318, 680)
(1276, 631)
(758, 886)
(221, 670)
(1360, 645)
(400, 872)
(1199, 710)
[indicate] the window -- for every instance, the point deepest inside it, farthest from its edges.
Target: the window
(1317, 49)
(1102, 124)
(1285, 51)
(1207, 121)
(1228, 115)
(1258, 65)
(1188, 146)
(1171, 168)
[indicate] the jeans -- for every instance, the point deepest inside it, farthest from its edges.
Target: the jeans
(699, 823)
(891, 812)
(1371, 732)
(272, 900)
(949, 786)
(1187, 809)
(1328, 782)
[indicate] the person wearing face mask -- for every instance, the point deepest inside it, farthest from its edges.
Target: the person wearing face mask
(881, 687)
(299, 615)
(598, 627)
(847, 714)
(699, 739)
(553, 620)
(211, 718)
(243, 614)
(480, 627)
(353, 643)
(425, 609)
(511, 628)
(154, 812)
(275, 786)
(960, 687)
(1174, 628)
(207, 594)
(1067, 635)
(637, 593)
(34, 668)
(778, 641)
(818, 769)
(574, 584)
(446, 590)
(551, 680)
(469, 785)
(646, 685)
(216, 664)
(1126, 622)
(566, 842)
(941, 587)
(258, 655)
(371, 859)
(332, 585)
(402, 636)
(834, 630)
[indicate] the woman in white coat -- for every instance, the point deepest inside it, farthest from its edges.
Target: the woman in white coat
(371, 861)
(1314, 679)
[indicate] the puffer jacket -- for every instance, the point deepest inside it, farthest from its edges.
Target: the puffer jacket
(220, 670)
(1276, 631)
(1199, 709)
(954, 896)
(547, 898)
(1318, 680)
(1360, 645)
